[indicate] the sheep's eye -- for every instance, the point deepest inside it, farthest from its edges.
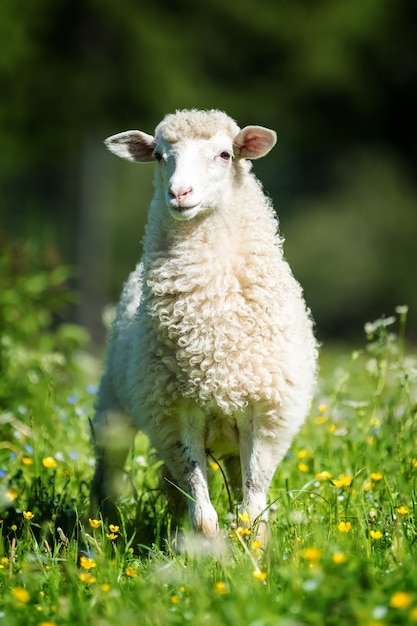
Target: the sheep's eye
(225, 155)
(158, 156)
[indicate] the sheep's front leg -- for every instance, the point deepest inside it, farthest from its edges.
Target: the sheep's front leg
(260, 454)
(184, 455)
(113, 435)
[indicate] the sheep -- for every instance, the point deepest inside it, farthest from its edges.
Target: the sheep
(212, 350)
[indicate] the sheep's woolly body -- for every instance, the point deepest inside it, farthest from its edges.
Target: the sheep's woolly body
(212, 327)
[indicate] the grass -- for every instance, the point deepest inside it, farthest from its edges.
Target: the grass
(342, 518)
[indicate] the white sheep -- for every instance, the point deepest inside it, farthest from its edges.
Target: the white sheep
(212, 348)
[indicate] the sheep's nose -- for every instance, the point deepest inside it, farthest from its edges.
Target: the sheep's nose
(180, 195)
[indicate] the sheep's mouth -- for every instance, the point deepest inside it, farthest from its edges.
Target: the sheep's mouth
(182, 212)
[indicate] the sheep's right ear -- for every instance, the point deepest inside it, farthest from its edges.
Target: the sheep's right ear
(133, 145)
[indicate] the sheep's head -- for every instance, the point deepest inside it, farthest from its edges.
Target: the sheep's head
(195, 152)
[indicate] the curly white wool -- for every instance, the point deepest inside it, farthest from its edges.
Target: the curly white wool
(212, 347)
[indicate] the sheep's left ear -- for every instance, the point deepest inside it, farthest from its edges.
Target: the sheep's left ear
(133, 145)
(254, 142)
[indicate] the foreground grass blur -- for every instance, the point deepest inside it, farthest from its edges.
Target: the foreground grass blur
(343, 503)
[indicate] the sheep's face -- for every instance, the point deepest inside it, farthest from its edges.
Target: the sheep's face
(193, 171)
(194, 174)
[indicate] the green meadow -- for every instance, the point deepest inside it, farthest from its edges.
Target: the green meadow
(343, 504)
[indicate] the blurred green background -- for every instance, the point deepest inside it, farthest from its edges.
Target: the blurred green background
(335, 78)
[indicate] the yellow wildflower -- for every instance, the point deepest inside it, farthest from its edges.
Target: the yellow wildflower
(87, 577)
(214, 466)
(339, 557)
(259, 575)
(244, 517)
(320, 419)
(105, 587)
(26, 460)
(21, 595)
(11, 494)
(131, 571)
(303, 467)
(87, 563)
(175, 599)
(243, 531)
(220, 587)
(343, 481)
(376, 476)
(302, 454)
(311, 554)
(111, 536)
(402, 510)
(47, 624)
(28, 515)
(95, 523)
(49, 462)
(324, 475)
(323, 408)
(414, 462)
(375, 534)
(113, 528)
(400, 599)
(256, 545)
(344, 527)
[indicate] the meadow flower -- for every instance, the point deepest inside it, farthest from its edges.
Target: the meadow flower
(375, 534)
(21, 595)
(342, 481)
(259, 575)
(320, 419)
(339, 558)
(303, 467)
(324, 475)
(28, 515)
(47, 624)
(323, 408)
(113, 528)
(87, 563)
(26, 460)
(88, 578)
(244, 517)
(214, 466)
(376, 476)
(220, 588)
(400, 599)
(49, 462)
(402, 510)
(105, 587)
(131, 571)
(344, 527)
(243, 531)
(256, 545)
(111, 536)
(311, 554)
(303, 454)
(175, 599)
(95, 523)
(11, 494)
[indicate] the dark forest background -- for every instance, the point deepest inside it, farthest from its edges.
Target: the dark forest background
(335, 78)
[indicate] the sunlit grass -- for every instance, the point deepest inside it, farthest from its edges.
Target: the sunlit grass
(342, 547)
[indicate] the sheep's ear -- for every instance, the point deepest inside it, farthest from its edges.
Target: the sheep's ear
(133, 145)
(254, 142)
